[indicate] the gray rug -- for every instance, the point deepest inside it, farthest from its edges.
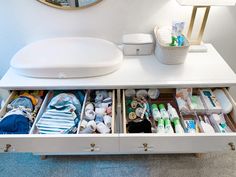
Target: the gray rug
(27, 165)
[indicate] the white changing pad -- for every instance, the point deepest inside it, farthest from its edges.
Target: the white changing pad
(68, 58)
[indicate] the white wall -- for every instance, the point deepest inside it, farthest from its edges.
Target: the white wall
(25, 21)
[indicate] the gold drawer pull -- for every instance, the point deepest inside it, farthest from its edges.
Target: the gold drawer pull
(92, 147)
(145, 146)
(7, 147)
(232, 146)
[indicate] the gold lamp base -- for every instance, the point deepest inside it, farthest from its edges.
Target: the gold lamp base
(198, 48)
(198, 41)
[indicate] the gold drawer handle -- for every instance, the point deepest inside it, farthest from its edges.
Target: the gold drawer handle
(7, 147)
(92, 147)
(145, 146)
(232, 146)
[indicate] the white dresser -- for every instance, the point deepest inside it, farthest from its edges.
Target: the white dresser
(201, 70)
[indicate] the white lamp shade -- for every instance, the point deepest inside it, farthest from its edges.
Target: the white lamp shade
(207, 2)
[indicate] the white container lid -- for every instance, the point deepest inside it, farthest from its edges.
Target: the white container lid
(139, 38)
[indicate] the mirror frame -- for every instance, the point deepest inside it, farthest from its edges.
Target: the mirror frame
(68, 8)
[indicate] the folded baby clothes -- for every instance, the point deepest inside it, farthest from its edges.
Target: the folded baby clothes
(62, 115)
(80, 95)
(21, 102)
(65, 101)
(16, 112)
(21, 113)
(56, 121)
(14, 124)
(33, 99)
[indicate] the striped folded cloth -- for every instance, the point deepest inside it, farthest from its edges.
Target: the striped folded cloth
(56, 122)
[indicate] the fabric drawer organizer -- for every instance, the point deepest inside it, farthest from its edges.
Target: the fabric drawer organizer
(99, 113)
(59, 119)
(61, 113)
(19, 111)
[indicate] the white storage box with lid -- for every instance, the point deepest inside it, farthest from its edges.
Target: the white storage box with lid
(138, 44)
(68, 58)
(170, 55)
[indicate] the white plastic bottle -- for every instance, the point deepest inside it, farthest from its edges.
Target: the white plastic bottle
(160, 126)
(164, 113)
(165, 116)
(155, 112)
(178, 127)
(174, 117)
(168, 126)
(172, 112)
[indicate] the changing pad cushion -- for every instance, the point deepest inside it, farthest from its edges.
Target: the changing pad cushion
(68, 58)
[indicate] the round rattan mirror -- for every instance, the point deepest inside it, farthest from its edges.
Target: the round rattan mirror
(70, 4)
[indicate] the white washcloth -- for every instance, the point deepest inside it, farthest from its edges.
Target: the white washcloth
(164, 35)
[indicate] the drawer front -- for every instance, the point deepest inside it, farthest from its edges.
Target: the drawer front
(70, 144)
(15, 143)
(142, 144)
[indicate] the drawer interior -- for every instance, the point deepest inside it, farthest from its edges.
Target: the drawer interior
(34, 96)
(87, 99)
(58, 118)
(166, 96)
(90, 100)
(186, 118)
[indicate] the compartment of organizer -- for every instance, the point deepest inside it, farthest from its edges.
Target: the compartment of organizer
(197, 100)
(214, 123)
(98, 116)
(19, 111)
(146, 111)
(60, 113)
(190, 123)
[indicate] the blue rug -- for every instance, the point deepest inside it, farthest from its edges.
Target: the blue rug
(28, 165)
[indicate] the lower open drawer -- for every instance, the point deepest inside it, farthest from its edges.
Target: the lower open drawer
(120, 142)
(61, 143)
(141, 143)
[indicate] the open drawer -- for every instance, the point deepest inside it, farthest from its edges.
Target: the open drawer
(62, 143)
(140, 143)
(9, 142)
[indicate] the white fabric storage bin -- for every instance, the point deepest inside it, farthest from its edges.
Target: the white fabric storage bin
(170, 55)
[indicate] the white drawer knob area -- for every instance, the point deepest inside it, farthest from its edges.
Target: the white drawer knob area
(68, 58)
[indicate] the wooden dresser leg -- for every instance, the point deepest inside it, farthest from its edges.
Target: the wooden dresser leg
(43, 157)
(199, 155)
